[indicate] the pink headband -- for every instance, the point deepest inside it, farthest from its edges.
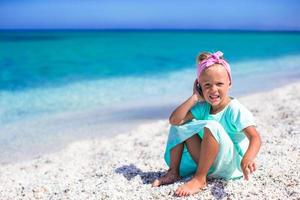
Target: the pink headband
(214, 58)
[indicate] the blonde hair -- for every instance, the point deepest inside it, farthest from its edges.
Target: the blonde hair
(202, 56)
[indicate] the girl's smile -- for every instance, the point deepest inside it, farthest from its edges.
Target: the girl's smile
(214, 98)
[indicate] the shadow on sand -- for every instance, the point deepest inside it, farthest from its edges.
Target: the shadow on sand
(131, 171)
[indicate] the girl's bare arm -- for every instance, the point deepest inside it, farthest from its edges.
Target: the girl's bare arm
(182, 113)
(248, 165)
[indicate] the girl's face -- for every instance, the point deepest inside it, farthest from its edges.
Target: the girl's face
(215, 85)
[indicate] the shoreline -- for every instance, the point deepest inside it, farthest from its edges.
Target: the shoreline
(124, 165)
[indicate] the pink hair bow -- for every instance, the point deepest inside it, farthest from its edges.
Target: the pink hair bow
(214, 58)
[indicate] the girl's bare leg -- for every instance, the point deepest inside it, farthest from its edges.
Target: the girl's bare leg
(193, 145)
(173, 172)
(208, 153)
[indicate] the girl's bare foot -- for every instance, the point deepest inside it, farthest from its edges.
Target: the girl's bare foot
(171, 177)
(193, 186)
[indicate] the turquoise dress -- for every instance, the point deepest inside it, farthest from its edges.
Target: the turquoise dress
(227, 128)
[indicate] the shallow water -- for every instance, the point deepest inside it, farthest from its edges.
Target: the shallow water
(57, 87)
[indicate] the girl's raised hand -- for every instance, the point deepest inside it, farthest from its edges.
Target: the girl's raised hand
(248, 167)
(197, 91)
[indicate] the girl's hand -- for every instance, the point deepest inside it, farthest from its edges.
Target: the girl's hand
(248, 166)
(197, 91)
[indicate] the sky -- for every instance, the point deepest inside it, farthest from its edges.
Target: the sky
(151, 14)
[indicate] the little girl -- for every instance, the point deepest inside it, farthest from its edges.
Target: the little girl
(212, 134)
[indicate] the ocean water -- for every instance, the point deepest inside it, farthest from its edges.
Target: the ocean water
(118, 79)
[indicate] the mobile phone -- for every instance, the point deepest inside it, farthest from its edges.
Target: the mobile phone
(199, 90)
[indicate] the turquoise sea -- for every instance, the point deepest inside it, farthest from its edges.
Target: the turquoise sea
(120, 78)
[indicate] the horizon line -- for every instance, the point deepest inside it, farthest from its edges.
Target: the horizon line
(148, 29)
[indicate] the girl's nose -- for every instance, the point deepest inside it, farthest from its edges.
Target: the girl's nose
(214, 88)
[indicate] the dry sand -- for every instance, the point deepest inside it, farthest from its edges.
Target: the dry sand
(123, 167)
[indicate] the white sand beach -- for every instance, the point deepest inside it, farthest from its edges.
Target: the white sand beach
(123, 166)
